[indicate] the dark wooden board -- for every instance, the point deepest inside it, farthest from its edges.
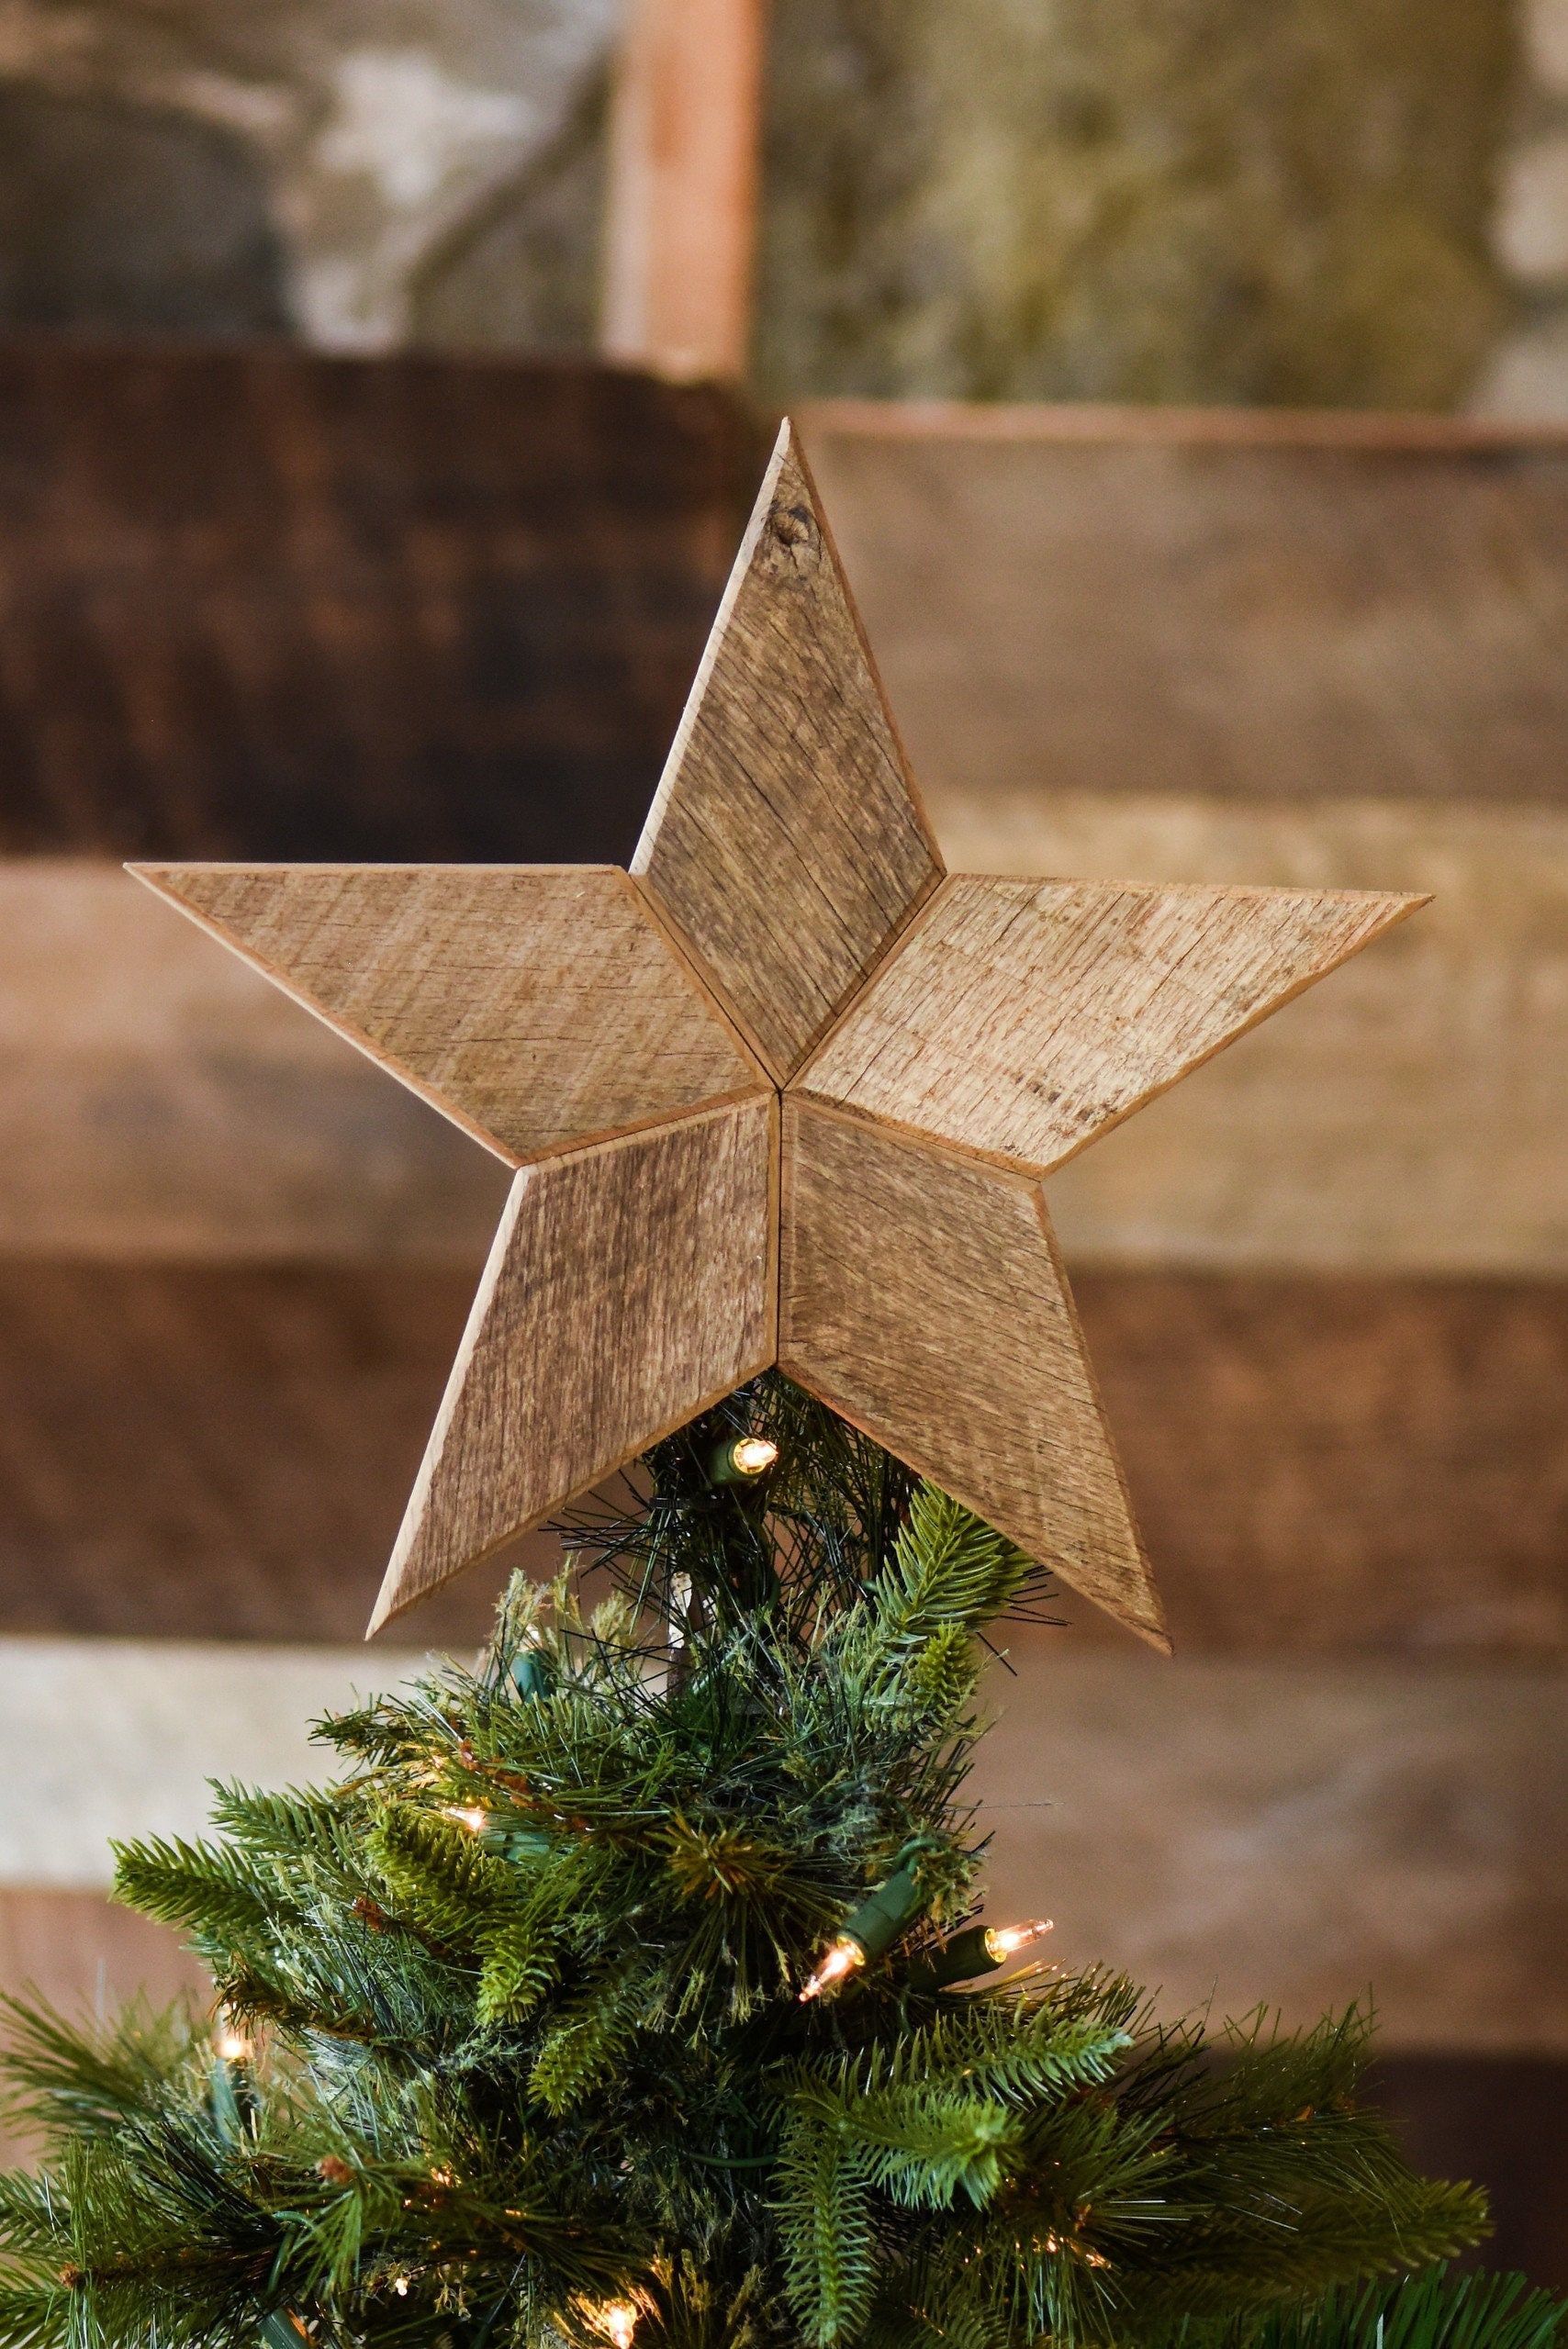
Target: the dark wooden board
(217, 1453)
(1503, 2121)
(1343, 1463)
(260, 603)
(1317, 1464)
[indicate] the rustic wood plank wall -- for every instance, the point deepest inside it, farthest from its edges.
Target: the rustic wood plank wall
(1326, 1283)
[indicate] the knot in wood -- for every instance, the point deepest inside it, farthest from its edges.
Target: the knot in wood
(794, 527)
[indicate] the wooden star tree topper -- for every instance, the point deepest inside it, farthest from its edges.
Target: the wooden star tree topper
(785, 1092)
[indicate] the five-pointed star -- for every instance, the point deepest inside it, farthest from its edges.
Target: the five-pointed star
(785, 1092)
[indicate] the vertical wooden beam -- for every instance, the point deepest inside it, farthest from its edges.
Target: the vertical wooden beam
(683, 178)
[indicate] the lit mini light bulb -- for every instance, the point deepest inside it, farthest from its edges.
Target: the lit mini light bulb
(842, 1959)
(981, 1949)
(474, 1820)
(1004, 1941)
(742, 1459)
(232, 2043)
(616, 2320)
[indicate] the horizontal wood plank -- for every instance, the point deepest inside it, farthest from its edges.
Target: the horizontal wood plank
(102, 1740)
(218, 1452)
(1150, 609)
(1289, 1831)
(1334, 1464)
(259, 602)
(160, 1101)
(1411, 1116)
(1289, 1834)
(86, 1955)
(1121, 423)
(223, 1452)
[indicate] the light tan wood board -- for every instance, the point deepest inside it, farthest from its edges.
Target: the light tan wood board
(786, 841)
(921, 1295)
(680, 213)
(1290, 1829)
(629, 1286)
(1245, 605)
(161, 1100)
(1022, 1019)
(538, 1006)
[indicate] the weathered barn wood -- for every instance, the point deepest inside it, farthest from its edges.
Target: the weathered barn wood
(785, 842)
(539, 1007)
(158, 1100)
(1131, 601)
(259, 603)
(1332, 1463)
(629, 1287)
(1281, 1831)
(921, 1295)
(220, 1453)
(1021, 1020)
(1411, 1117)
(787, 850)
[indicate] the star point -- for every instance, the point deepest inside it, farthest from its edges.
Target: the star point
(785, 1092)
(787, 786)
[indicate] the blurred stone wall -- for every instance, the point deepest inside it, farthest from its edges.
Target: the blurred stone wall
(1345, 202)
(1527, 374)
(365, 172)
(1133, 200)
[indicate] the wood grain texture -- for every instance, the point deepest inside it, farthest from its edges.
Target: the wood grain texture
(1288, 1831)
(85, 1953)
(1336, 1465)
(1249, 604)
(219, 1451)
(1022, 1019)
(540, 1008)
(1121, 423)
(162, 1101)
(923, 1299)
(628, 1286)
(1324, 1466)
(261, 602)
(786, 841)
(159, 1100)
(1411, 1117)
(681, 205)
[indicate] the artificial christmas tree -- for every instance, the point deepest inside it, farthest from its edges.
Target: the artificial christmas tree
(626, 1990)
